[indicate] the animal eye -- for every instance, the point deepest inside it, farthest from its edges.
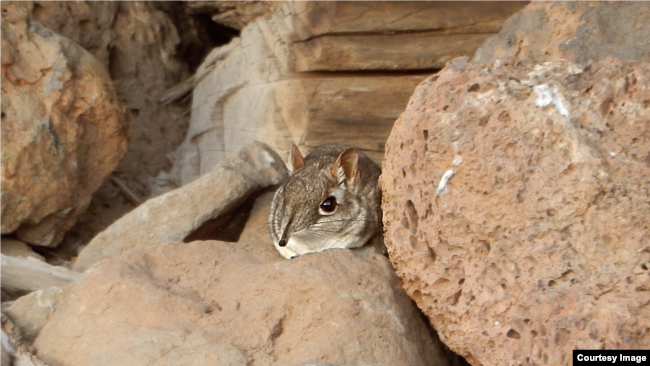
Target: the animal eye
(328, 205)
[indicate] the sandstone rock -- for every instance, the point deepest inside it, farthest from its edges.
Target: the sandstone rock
(233, 14)
(16, 248)
(63, 129)
(88, 23)
(15, 351)
(577, 31)
(256, 229)
(5, 358)
(313, 110)
(206, 303)
(30, 312)
(392, 35)
(266, 85)
(319, 363)
(140, 45)
(312, 19)
(538, 242)
(176, 214)
(31, 274)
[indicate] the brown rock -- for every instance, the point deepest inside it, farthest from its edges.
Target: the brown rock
(317, 18)
(5, 358)
(30, 274)
(16, 248)
(538, 242)
(140, 45)
(30, 312)
(63, 129)
(576, 31)
(88, 23)
(266, 85)
(177, 214)
(233, 14)
(392, 35)
(15, 351)
(205, 303)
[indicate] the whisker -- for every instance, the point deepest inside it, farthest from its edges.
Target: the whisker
(327, 236)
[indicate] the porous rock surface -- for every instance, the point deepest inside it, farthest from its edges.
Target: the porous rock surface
(538, 244)
(64, 129)
(577, 31)
(216, 303)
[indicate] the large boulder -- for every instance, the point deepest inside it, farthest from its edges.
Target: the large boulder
(216, 303)
(572, 30)
(144, 46)
(64, 129)
(516, 208)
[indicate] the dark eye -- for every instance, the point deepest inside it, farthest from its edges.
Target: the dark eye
(328, 205)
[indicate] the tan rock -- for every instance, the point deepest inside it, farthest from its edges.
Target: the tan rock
(63, 129)
(16, 248)
(31, 274)
(316, 18)
(385, 52)
(576, 31)
(206, 303)
(177, 214)
(233, 14)
(15, 351)
(536, 243)
(139, 44)
(30, 312)
(266, 85)
(5, 358)
(392, 35)
(87, 23)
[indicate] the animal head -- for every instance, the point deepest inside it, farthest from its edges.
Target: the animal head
(326, 203)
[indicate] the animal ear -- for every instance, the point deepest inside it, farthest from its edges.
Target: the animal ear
(346, 169)
(295, 159)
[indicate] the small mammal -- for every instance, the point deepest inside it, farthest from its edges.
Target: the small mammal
(330, 200)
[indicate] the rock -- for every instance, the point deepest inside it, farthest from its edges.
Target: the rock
(31, 274)
(267, 85)
(15, 351)
(5, 358)
(537, 244)
(87, 23)
(64, 129)
(576, 31)
(176, 214)
(319, 363)
(202, 302)
(145, 52)
(391, 35)
(16, 248)
(233, 14)
(256, 229)
(30, 312)
(284, 110)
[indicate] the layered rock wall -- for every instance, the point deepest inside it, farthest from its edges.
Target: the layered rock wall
(316, 72)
